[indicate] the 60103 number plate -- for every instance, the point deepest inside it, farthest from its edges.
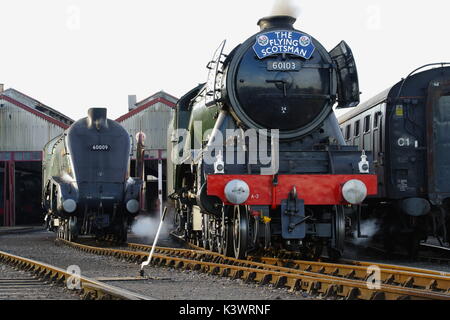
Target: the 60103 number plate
(284, 65)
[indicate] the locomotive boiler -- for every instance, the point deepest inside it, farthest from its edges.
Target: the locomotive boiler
(258, 158)
(87, 189)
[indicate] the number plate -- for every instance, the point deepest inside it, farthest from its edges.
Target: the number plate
(100, 147)
(283, 65)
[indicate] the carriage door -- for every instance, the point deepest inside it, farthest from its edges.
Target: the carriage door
(377, 139)
(438, 128)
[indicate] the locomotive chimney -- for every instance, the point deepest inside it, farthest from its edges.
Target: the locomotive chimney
(132, 99)
(278, 21)
(97, 118)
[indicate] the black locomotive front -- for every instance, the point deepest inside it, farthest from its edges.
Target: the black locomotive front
(294, 92)
(280, 83)
(91, 170)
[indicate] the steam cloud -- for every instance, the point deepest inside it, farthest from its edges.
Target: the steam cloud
(146, 227)
(368, 228)
(286, 8)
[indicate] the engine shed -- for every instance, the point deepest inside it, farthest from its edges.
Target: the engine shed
(26, 125)
(151, 116)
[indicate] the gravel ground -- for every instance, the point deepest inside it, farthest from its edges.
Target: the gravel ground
(163, 283)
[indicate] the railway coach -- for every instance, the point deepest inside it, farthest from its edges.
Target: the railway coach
(407, 127)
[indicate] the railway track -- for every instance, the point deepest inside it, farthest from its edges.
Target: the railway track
(441, 254)
(43, 276)
(20, 285)
(435, 254)
(328, 280)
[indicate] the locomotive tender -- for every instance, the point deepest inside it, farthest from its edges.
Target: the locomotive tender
(86, 188)
(407, 127)
(282, 85)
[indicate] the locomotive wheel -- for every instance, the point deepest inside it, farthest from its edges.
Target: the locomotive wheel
(205, 232)
(212, 234)
(180, 221)
(227, 241)
(218, 245)
(72, 230)
(65, 230)
(227, 233)
(198, 239)
(216, 238)
(336, 250)
(240, 231)
(177, 220)
(122, 235)
(59, 233)
(312, 250)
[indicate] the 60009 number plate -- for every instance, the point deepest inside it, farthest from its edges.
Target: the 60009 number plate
(285, 65)
(100, 147)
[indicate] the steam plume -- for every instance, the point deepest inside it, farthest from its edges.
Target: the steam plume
(368, 228)
(286, 8)
(146, 227)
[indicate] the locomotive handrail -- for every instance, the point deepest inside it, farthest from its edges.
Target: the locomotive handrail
(442, 64)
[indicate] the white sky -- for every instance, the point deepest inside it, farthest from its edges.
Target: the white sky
(76, 54)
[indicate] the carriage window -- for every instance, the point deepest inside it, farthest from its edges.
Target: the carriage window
(357, 128)
(367, 124)
(347, 132)
(376, 120)
(444, 108)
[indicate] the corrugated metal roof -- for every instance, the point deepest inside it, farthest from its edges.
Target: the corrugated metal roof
(153, 122)
(34, 111)
(22, 130)
(160, 97)
(160, 94)
(37, 106)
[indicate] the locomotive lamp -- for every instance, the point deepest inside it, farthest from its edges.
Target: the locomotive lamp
(237, 191)
(69, 206)
(219, 165)
(354, 191)
(132, 206)
(364, 164)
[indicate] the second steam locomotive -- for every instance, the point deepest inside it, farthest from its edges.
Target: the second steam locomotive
(87, 189)
(259, 160)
